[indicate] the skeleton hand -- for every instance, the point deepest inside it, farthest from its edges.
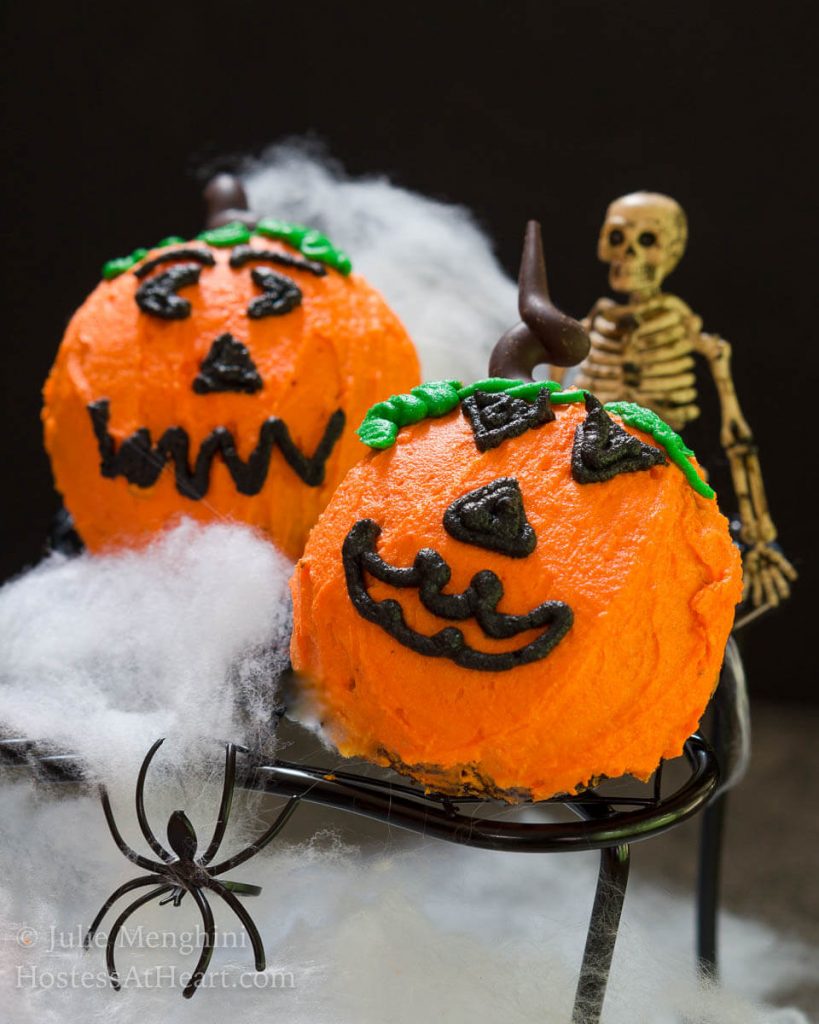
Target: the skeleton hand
(766, 574)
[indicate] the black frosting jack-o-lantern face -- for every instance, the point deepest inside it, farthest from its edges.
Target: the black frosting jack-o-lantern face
(491, 517)
(228, 367)
(207, 369)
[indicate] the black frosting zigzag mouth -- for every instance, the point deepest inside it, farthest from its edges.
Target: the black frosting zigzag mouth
(429, 574)
(141, 461)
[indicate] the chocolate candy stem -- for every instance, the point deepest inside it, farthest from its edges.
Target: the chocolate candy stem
(544, 335)
(226, 202)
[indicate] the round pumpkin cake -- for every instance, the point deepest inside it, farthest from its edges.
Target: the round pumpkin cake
(517, 592)
(219, 378)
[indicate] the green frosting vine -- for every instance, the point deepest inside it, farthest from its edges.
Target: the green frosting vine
(113, 268)
(309, 242)
(382, 422)
(380, 426)
(678, 451)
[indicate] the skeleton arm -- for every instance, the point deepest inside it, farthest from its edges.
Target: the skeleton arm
(736, 439)
(767, 570)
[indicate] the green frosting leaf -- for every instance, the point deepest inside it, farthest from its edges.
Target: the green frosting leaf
(401, 409)
(284, 230)
(308, 241)
(378, 433)
(649, 422)
(566, 397)
(531, 389)
(491, 384)
(380, 426)
(528, 390)
(113, 268)
(227, 235)
(440, 396)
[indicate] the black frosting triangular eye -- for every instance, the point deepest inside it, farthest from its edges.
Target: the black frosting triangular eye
(492, 517)
(603, 449)
(495, 417)
(227, 367)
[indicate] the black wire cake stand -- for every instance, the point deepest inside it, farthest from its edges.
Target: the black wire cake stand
(607, 823)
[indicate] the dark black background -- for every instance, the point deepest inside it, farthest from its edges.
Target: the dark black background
(545, 109)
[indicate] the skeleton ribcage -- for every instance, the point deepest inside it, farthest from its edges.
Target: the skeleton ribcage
(650, 362)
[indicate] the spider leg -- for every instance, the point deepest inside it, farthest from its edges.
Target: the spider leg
(136, 883)
(207, 951)
(175, 897)
(151, 839)
(245, 918)
(224, 806)
(120, 921)
(242, 888)
(132, 855)
(261, 842)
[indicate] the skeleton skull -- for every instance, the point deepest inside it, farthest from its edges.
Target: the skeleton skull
(642, 240)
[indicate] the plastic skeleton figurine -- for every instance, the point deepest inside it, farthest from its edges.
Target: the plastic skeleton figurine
(643, 351)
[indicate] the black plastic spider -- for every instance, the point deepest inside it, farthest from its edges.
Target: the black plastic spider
(186, 872)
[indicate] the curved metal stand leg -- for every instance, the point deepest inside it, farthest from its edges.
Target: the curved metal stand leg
(605, 921)
(710, 860)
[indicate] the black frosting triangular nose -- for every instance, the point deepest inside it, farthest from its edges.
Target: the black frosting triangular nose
(227, 367)
(492, 517)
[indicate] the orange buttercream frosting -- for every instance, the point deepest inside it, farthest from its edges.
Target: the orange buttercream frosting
(326, 343)
(645, 564)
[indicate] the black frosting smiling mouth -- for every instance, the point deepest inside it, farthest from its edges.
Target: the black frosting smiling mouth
(429, 574)
(141, 461)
